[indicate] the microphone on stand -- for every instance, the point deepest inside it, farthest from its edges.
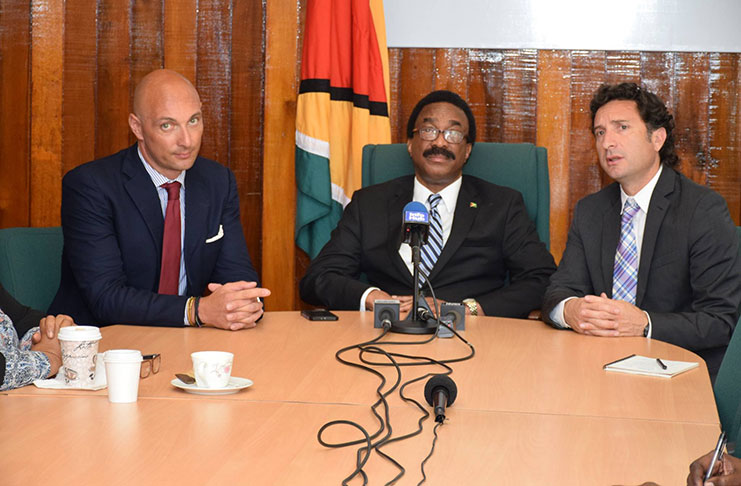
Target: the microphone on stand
(415, 228)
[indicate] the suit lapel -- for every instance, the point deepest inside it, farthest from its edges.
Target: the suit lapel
(463, 219)
(196, 218)
(656, 212)
(610, 237)
(143, 194)
(401, 194)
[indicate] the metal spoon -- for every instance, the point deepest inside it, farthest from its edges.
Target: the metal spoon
(187, 379)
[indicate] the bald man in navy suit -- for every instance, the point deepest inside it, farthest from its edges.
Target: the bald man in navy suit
(113, 219)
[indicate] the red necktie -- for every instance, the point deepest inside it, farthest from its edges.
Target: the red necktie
(170, 269)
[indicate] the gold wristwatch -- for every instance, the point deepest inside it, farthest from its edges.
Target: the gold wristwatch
(473, 306)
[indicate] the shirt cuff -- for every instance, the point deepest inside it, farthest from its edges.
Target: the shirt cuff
(556, 314)
(650, 327)
(365, 296)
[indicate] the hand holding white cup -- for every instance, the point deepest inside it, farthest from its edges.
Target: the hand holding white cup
(212, 369)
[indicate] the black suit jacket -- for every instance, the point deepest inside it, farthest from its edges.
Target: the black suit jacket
(113, 224)
(689, 276)
(492, 239)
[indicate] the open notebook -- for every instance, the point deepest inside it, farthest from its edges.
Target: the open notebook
(643, 365)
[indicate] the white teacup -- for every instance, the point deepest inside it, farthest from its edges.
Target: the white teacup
(212, 369)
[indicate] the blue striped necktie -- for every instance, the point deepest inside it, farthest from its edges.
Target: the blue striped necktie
(434, 246)
(625, 271)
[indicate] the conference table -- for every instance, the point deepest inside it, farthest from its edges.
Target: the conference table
(534, 406)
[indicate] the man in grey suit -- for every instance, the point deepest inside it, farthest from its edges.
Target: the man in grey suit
(653, 254)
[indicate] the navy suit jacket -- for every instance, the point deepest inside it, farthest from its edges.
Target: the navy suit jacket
(113, 224)
(493, 253)
(689, 276)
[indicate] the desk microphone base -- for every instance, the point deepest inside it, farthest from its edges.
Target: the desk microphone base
(408, 326)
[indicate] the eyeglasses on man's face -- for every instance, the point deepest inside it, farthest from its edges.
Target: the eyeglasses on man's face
(430, 134)
(150, 365)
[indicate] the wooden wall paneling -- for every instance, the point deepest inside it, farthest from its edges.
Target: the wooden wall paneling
(213, 76)
(248, 58)
(15, 59)
(486, 93)
(47, 65)
(279, 186)
(451, 70)
(723, 115)
(180, 36)
(737, 121)
(553, 129)
(146, 40)
(622, 67)
(417, 79)
(78, 80)
(520, 72)
(657, 71)
(691, 114)
(395, 59)
(112, 102)
(587, 74)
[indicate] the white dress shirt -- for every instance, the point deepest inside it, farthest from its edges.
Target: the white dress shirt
(158, 179)
(446, 208)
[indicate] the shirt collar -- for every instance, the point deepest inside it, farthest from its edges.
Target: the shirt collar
(449, 194)
(157, 178)
(643, 197)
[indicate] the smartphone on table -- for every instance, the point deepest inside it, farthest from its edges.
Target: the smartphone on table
(319, 315)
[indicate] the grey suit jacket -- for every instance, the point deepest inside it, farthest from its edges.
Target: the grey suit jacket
(492, 241)
(689, 276)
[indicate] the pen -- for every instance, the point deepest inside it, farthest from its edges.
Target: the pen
(661, 363)
(617, 361)
(716, 455)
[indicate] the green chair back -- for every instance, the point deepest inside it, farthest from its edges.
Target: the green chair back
(727, 386)
(521, 166)
(30, 264)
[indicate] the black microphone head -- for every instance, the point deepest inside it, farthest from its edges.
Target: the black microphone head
(438, 382)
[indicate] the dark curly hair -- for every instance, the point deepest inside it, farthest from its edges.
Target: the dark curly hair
(652, 110)
(443, 96)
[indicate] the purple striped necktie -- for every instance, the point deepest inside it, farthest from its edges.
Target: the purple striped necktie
(625, 271)
(434, 246)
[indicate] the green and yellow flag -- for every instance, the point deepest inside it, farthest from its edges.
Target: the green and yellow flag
(342, 106)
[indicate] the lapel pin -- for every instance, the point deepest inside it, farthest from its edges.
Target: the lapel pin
(472, 205)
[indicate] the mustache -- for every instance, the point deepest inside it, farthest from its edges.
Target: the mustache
(435, 150)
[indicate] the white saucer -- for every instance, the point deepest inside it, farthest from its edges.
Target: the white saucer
(235, 384)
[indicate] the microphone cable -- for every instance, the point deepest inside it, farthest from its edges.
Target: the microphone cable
(373, 347)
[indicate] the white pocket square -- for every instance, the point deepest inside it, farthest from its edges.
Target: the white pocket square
(217, 236)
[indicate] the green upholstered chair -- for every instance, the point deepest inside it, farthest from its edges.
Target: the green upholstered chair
(521, 166)
(30, 264)
(727, 386)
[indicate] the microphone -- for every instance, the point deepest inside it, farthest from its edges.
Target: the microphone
(440, 391)
(415, 223)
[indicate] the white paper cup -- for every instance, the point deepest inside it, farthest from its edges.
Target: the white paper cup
(212, 369)
(122, 368)
(79, 352)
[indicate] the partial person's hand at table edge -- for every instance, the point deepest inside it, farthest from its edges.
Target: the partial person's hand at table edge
(727, 471)
(232, 306)
(50, 345)
(50, 325)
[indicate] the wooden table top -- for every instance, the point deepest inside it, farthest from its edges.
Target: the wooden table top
(519, 366)
(534, 407)
(214, 441)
